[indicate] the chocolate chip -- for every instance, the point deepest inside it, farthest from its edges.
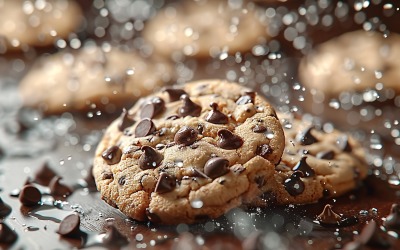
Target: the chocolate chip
(7, 236)
(393, 219)
(247, 98)
(153, 108)
(264, 150)
(185, 136)
(125, 121)
(69, 226)
(189, 107)
(216, 167)
(107, 175)
(259, 129)
(328, 216)
(326, 155)
(150, 158)
(144, 128)
(112, 155)
(5, 209)
(372, 235)
(228, 140)
(59, 189)
(122, 180)
(165, 183)
(113, 237)
(30, 196)
(306, 138)
(174, 94)
(44, 174)
(294, 185)
(303, 166)
(200, 128)
(343, 143)
(215, 116)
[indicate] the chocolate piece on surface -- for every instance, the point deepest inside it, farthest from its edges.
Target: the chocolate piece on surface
(112, 155)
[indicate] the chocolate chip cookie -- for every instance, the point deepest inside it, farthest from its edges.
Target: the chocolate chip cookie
(315, 164)
(188, 153)
(92, 78)
(36, 23)
(206, 28)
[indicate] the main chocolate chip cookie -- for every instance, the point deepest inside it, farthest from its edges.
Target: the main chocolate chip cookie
(36, 23)
(206, 28)
(189, 153)
(92, 77)
(315, 164)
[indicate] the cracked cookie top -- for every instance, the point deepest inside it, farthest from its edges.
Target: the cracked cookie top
(188, 153)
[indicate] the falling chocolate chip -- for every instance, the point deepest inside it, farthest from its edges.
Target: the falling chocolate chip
(306, 138)
(30, 196)
(186, 136)
(326, 155)
(294, 185)
(144, 128)
(393, 219)
(264, 151)
(5, 209)
(69, 226)
(343, 143)
(165, 183)
(44, 175)
(7, 236)
(113, 237)
(59, 189)
(216, 167)
(259, 129)
(150, 158)
(122, 180)
(303, 167)
(372, 235)
(328, 216)
(124, 120)
(228, 140)
(175, 94)
(215, 116)
(112, 155)
(153, 108)
(189, 107)
(247, 98)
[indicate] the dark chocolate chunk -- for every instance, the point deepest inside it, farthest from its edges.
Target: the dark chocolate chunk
(228, 140)
(174, 94)
(165, 183)
(189, 107)
(306, 138)
(303, 166)
(122, 180)
(264, 150)
(186, 136)
(343, 143)
(112, 155)
(328, 216)
(294, 185)
(59, 189)
(30, 196)
(125, 121)
(326, 155)
(7, 236)
(393, 219)
(107, 175)
(247, 98)
(144, 128)
(200, 128)
(150, 158)
(44, 175)
(373, 236)
(216, 167)
(113, 237)
(259, 129)
(153, 108)
(69, 226)
(5, 209)
(215, 116)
